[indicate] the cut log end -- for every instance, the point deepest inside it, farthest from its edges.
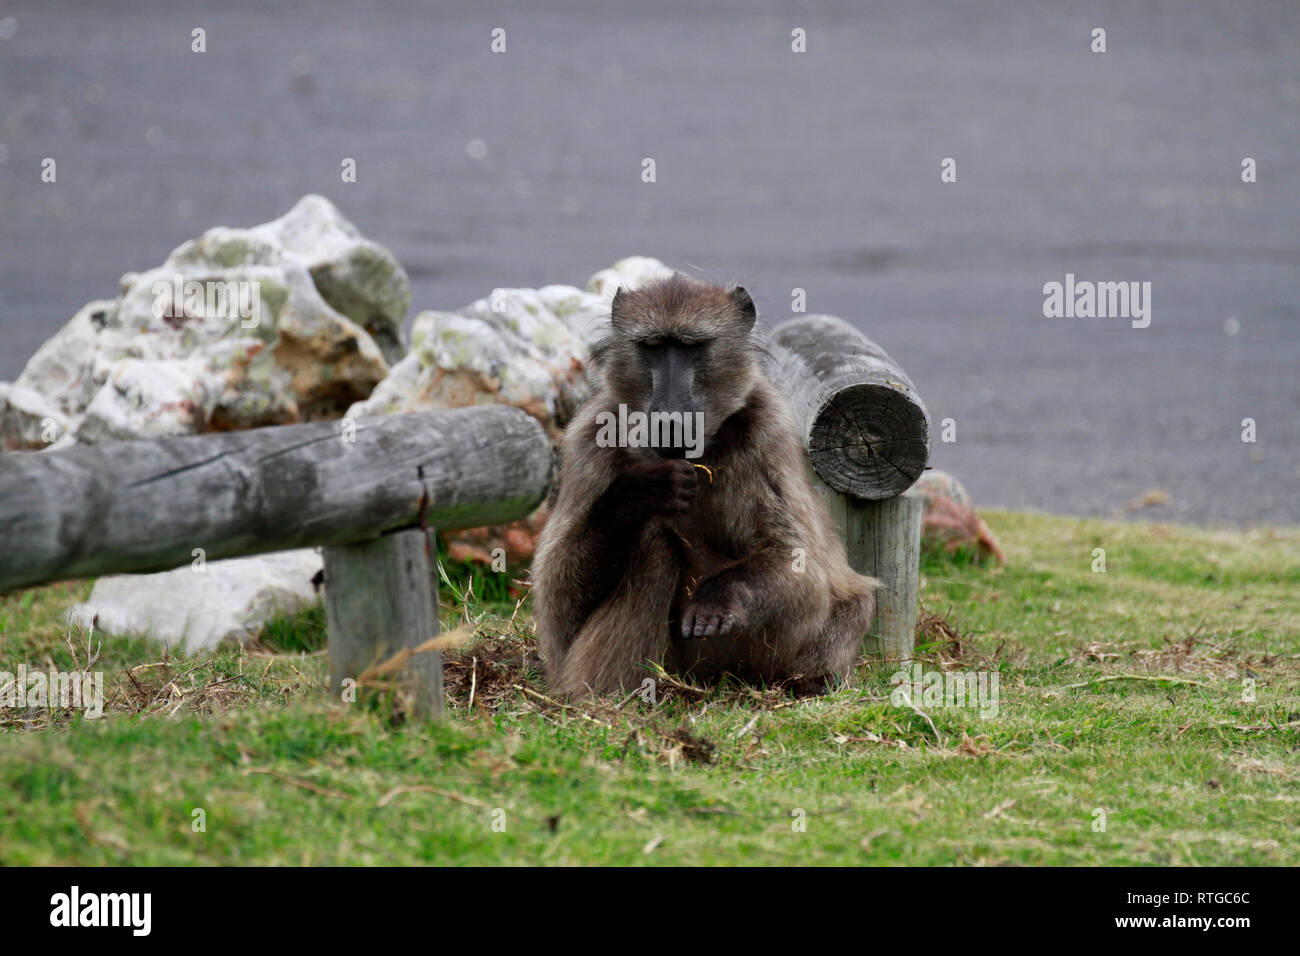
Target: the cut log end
(866, 429)
(855, 446)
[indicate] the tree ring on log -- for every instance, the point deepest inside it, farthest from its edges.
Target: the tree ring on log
(853, 443)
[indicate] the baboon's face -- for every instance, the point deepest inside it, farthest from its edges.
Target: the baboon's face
(682, 347)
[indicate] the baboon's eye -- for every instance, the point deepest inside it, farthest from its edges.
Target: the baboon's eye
(652, 343)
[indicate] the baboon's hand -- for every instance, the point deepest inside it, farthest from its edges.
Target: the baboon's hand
(717, 608)
(665, 486)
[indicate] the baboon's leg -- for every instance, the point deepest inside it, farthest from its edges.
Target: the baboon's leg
(829, 657)
(630, 628)
(752, 620)
(818, 650)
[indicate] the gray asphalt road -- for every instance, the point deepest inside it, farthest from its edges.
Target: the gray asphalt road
(817, 170)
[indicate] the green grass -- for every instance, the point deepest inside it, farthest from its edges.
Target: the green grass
(1186, 771)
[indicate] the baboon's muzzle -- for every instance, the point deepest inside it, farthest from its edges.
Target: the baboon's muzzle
(673, 367)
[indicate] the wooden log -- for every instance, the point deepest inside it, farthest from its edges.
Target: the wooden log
(883, 540)
(147, 505)
(865, 427)
(381, 597)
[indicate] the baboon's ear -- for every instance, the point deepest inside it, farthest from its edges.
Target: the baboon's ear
(744, 304)
(616, 308)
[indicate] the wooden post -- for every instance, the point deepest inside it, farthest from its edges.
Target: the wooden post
(883, 540)
(381, 596)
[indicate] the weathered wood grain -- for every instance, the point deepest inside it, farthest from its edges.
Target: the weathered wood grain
(883, 540)
(381, 597)
(147, 505)
(865, 427)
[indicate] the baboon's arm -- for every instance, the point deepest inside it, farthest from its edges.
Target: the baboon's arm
(605, 499)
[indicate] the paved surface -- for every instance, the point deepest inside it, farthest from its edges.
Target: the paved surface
(818, 171)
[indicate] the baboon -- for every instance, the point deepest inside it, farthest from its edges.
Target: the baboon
(725, 565)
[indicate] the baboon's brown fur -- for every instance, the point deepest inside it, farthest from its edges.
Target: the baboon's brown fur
(638, 544)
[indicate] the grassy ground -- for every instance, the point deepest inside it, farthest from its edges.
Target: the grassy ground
(1169, 755)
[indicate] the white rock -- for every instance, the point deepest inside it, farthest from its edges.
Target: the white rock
(277, 315)
(28, 419)
(630, 273)
(586, 314)
(357, 277)
(150, 398)
(62, 368)
(523, 347)
(192, 611)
